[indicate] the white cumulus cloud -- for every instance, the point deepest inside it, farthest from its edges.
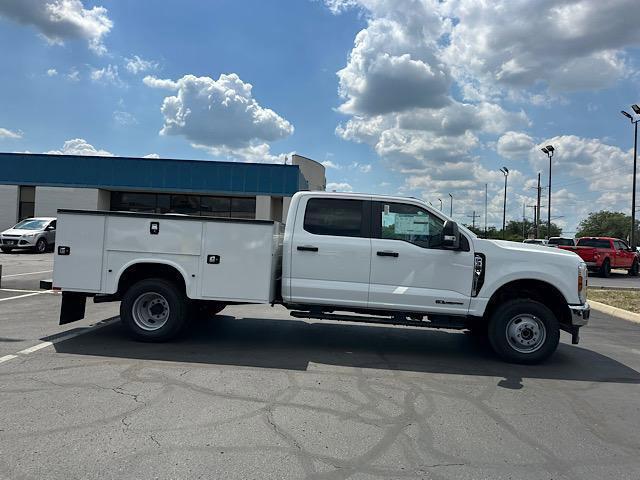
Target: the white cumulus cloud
(79, 146)
(218, 114)
(6, 133)
(515, 145)
(339, 187)
(60, 20)
(137, 65)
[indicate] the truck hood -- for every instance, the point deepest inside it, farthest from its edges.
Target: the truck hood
(543, 253)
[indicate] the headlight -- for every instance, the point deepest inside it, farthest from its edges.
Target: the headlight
(29, 235)
(582, 282)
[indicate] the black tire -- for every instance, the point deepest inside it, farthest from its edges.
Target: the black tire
(172, 311)
(6, 250)
(635, 269)
(41, 246)
(605, 269)
(509, 323)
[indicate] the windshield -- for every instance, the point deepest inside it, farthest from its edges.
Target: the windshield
(31, 224)
(561, 241)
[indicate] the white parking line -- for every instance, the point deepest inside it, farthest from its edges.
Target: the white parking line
(22, 296)
(28, 273)
(7, 357)
(59, 339)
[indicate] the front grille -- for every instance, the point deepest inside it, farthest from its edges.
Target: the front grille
(12, 236)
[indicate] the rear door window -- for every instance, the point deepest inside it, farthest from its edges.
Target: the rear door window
(594, 242)
(336, 217)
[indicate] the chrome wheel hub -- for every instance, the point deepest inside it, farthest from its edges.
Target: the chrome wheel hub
(150, 311)
(526, 333)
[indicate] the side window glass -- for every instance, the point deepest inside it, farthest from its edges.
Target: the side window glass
(53, 224)
(400, 221)
(334, 216)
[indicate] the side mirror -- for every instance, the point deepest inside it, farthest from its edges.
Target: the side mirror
(450, 235)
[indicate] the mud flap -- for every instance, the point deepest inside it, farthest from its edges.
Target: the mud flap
(73, 306)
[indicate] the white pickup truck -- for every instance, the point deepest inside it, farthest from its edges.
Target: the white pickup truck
(351, 257)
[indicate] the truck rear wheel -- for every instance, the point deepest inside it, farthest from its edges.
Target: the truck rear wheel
(154, 310)
(635, 269)
(523, 331)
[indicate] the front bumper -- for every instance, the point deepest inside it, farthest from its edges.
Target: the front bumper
(580, 314)
(19, 242)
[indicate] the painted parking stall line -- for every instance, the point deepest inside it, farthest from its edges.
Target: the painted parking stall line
(60, 338)
(26, 273)
(23, 296)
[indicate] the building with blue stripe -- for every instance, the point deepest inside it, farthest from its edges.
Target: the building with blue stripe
(39, 184)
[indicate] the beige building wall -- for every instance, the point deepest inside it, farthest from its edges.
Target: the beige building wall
(8, 206)
(313, 171)
(50, 199)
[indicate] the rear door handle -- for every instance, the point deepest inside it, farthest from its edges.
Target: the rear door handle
(387, 253)
(307, 248)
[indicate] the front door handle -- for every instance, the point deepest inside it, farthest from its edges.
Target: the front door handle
(387, 253)
(307, 248)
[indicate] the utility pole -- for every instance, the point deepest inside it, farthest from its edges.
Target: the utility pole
(548, 151)
(474, 215)
(485, 209)
(505, 172)
(524, 218)
(451, 207)
(537, 215)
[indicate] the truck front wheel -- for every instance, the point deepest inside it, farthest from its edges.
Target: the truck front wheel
(524, 331)
(154, 310)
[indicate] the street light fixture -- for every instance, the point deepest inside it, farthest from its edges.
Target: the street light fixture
(451, 206)
(548, 151)
(440, 200)
(636, 109)
(505, 172)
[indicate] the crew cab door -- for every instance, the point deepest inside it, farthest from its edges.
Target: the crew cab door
(331, 252)
(623, 257)
(410, 270)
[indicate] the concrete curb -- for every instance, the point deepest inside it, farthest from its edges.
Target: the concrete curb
(615, 311)
(605, 287)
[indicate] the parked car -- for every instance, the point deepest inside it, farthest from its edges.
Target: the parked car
(340, 257)
(38, 234)
(601, 254)
(535, 241)
(561, 242)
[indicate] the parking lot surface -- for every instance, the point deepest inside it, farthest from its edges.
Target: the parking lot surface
(618, 279)
(255, 394)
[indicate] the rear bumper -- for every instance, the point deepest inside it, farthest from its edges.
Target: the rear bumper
(580, 314)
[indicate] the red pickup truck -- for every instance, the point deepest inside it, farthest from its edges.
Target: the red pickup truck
(601, 254)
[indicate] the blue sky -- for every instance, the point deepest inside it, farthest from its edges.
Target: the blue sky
(414, 97)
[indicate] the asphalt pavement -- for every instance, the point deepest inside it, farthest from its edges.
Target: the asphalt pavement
(618, 279)
(255, 394)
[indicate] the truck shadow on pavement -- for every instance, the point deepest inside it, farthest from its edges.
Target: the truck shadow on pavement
(295, 344)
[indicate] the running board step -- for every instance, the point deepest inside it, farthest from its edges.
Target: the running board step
(433, 321)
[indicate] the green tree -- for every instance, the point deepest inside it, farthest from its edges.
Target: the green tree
(514, 231)
(606, 224)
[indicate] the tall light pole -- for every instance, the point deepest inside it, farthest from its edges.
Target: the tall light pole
(636, 109)
(451, 206)
(440, 200)
(548, 150)
(505, 172)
